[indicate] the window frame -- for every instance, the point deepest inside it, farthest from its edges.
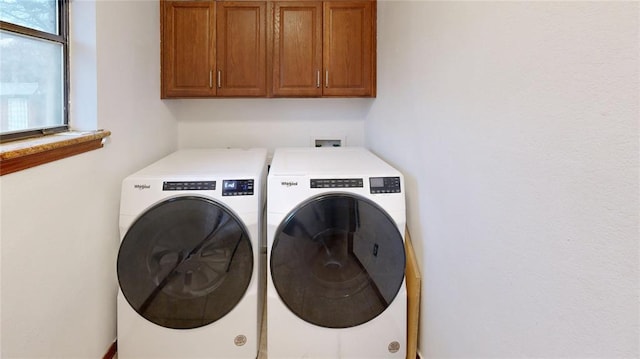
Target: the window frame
(62, 39)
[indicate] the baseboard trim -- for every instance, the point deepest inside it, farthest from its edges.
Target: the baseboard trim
(111, 352)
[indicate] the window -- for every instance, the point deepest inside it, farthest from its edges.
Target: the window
(33, 67)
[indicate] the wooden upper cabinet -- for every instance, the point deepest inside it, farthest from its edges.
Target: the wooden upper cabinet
(188, 52)
(241, 48)
(213, 48)
(349, 48)
(282, 48)
(297, 48)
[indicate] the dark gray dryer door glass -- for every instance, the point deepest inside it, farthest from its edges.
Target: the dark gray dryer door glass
(337, 261)
(185, 263)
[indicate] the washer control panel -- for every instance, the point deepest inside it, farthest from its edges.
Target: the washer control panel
(337, 183)
(189, 186)
(237, 187)
(384, 185)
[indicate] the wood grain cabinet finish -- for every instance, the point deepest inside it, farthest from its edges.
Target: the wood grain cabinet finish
(188, 51)
(241, 48)
(348, 52)
(213, 48)
(324, 49)
(284, 48)
(297, 48)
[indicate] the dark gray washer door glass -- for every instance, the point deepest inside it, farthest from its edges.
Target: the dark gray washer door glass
(338, 261)
(185, 263)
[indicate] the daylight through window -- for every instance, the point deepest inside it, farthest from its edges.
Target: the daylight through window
(33, 67)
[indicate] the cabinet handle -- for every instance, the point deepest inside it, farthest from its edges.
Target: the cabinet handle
(326, 79)
(318, 79)
(210, 79)
(219, 84)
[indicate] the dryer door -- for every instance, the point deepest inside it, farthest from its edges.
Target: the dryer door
(185, 263)
(338, 260)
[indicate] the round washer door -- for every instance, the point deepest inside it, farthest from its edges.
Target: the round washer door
(337, 260)
(185, 263)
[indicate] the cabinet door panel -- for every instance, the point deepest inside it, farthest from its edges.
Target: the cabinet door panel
(188, 54)
(241, 48)
(348, 48)
(297, 49)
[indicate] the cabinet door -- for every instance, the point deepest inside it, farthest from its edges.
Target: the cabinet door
(297, 48)
(188, 53)
(349, 51)
(241, 48)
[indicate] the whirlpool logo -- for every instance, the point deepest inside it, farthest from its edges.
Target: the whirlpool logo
(141, 186)
(289, 183)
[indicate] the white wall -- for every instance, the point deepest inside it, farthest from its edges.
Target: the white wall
(522, 205)
(516, 124)
(59, 222)
(268, 123)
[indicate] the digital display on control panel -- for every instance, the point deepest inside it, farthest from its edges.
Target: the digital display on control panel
(237, 187)
(384, 185)
(376, 182)
(189, 186)
(336, 183)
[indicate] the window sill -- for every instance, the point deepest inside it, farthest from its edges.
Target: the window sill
(20, 155)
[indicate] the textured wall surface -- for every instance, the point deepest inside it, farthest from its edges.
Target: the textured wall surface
(516, 125)
(268, 122)
(59, 224)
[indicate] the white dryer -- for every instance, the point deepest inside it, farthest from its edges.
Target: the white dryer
(336, 260)
(189, 261)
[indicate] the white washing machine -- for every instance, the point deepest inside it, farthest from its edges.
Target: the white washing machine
(336, 260)
(189, 261)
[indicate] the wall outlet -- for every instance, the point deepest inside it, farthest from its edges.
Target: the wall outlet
(327, 143)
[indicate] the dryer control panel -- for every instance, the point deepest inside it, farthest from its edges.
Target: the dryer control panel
(336, 183)
(239, 187)
(384, 185)
(189, 186)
